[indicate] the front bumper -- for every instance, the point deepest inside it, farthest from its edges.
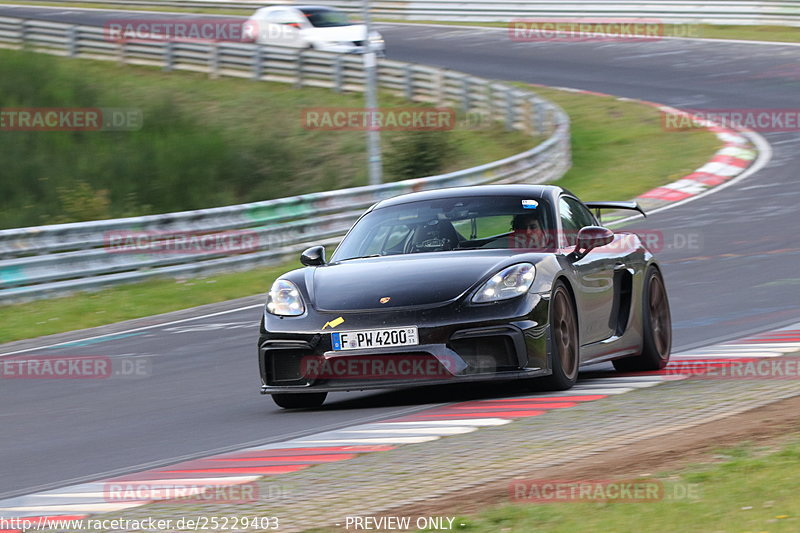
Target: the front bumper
(501, 341)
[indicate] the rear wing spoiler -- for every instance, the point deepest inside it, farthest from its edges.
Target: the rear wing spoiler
(631, 205)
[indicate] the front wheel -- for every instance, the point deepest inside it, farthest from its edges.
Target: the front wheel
(656, 325)
(300, 401)
(564, 348)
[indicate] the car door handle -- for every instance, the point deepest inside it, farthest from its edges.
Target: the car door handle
(619, 267)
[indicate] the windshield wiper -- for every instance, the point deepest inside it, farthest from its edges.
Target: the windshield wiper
(359, 257)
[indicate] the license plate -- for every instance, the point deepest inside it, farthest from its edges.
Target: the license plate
(374, 338)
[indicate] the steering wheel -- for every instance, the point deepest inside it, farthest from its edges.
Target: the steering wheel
(432, 245)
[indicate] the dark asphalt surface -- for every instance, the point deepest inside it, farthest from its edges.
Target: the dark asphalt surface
(200, 393)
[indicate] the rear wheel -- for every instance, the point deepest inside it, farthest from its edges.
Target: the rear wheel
(657, 328)
(564, 348)
(300, 401)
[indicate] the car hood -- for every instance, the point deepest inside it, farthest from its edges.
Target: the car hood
(408, 280)
(353, 32)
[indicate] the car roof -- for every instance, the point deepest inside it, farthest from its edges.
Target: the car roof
(292, 6)
(530, 191)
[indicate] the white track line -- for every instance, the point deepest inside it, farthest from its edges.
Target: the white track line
(143, 328)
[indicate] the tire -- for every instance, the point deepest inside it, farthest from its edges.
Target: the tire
(300, 401)
(656, 326)
(564, 347)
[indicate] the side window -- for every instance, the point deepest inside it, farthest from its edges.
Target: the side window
(583, 215)
(292, 17)
(273, 16)
(283, 16)
(574, 216)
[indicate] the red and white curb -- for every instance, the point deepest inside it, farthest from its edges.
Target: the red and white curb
(743, 151)
(736, 156)
(248, 465)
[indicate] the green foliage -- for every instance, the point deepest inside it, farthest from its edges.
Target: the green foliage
(82, 203)
(172, 163)
(417, 154)
(203, 143)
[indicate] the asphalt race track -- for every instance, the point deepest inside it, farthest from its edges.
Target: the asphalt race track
(201, 391)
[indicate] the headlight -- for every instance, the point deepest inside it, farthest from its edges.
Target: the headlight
(508, 283)
(284, 299)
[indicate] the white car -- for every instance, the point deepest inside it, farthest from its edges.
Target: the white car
(317, 27)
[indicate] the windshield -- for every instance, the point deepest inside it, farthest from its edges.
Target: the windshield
(326, 18)
(467, 223)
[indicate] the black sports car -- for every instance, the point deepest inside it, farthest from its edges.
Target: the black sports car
(465, 284)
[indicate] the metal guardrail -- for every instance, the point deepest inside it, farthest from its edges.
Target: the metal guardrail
(40, 261)
(780, 12)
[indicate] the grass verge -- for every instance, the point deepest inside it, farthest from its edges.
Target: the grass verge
(619, 151)
(748, 489)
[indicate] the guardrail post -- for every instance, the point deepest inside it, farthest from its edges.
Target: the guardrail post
(408, 82)
(337, 74)
(440, 88)
(258, 62)
(538, 117)
(510, 109)
(72, 41)
(213, 67)
(169, 56)
(23, 34)
(528, 118)
(465, 100)
(299, 63)
(489, 101)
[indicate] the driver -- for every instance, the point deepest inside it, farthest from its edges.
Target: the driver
(527, 231)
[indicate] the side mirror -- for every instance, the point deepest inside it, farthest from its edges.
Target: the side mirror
(314, 256)
(591, 237)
